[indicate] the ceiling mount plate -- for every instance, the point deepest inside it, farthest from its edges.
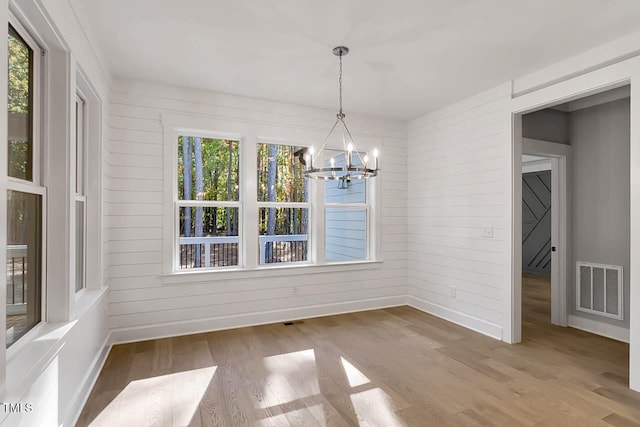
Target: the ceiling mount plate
(340, 51)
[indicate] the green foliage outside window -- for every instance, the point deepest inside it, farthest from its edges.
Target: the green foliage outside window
(19, 107)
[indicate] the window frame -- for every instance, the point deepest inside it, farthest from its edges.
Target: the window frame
(80, 185)
(92, 193)
(177, 203)
(37, 97)
(35, 186)
(295, 205)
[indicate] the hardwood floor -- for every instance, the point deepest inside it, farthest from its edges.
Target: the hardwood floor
(389, 367)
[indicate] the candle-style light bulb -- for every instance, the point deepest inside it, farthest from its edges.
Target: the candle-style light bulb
(349, 154)
(375, 157)
(310, 157)
(365, 160)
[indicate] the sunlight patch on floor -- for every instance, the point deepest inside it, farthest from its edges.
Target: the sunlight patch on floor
(297, 417)
(355, 377)
(374, 408)
(291, 376)
(146, 399)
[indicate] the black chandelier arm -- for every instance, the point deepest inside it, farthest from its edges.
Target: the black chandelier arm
(326, 140)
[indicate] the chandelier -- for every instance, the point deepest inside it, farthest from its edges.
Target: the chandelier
(347, 164)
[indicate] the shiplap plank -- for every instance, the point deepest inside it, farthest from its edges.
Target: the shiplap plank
(133, 196)
(117, 259)
(135, 123)
(122, 147)
(136, 160)
(113, 221)
(125, 184)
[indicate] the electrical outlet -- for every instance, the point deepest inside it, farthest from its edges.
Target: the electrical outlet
(487, 232)
(453, 292)
(295, 291)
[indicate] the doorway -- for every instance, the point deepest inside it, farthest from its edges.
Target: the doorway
(544, 229)
(591, 239)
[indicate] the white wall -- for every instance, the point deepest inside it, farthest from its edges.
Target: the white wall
(600, 195)
(146, 305)
(458, 165)
(55, 371)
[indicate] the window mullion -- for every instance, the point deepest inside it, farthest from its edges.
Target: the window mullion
(208, 203)
(293, 205)
(249, 195)
(318, 225)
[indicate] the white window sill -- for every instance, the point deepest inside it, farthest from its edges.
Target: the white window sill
(31, 354)
(84, 300)
(200, 275)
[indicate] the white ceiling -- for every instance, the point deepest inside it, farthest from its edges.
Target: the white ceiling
(407, 56)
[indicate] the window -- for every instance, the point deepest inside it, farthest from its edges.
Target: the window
(240, 201)
(283, 202)
(208, 206)
(346, 213)
(80, 198)
(25, 195)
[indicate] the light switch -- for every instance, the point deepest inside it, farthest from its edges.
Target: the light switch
(487, 232)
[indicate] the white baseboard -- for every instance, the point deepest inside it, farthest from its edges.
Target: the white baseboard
(142, 333)
(88, 382)
(469, 322)
(599, 328)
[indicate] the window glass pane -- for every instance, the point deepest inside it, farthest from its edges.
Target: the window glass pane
(208, 237)
(281, 174)
(283, 235)
(20, 107)
(80, 249)
(344, 190)
(212, 171)
(24, 263)
(345, 234)
(79, 146)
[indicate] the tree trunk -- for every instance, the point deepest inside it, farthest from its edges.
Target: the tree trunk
(305, 212)
(215, 192)
(272, 164)
(229, 175)
(197, 157)
(186, 172)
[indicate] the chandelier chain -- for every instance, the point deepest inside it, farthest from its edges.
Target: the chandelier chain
(340, 83)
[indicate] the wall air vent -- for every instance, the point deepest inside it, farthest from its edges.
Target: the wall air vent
(599, 289)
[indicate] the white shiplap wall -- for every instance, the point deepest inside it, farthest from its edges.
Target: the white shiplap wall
(459, 182)
(144, 304)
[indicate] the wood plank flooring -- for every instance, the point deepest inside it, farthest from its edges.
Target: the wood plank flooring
(389, 367)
